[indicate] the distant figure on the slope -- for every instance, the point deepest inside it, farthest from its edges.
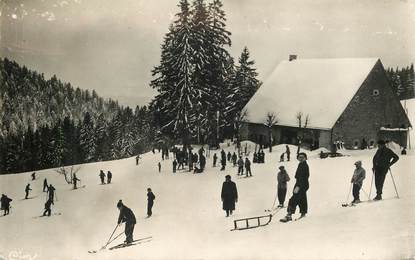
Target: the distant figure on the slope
(174, 165)
(137, 158)
(51, 192)
(382, 161)
(299, 197)
(27, 189)
(261, 156)
(159, 165)
(288, 152)
(357, 179)
(109, 177)
(75, 181)
(127, 216)
(234, 159)
(240, 166)
(33, 176)
(282, 157)
(48, 210)
(229, 195)
(102, 176)
(282, 179)
(403, 152)
(202, 162)
(223, 160)
(229, 156)
(150, 202)
(215, 159)
(255, 157)
(45, 185)
(248, 172)
(5, 204)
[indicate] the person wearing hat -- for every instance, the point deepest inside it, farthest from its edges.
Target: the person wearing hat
(127, 216)
(357, 179)
(382, 161)
(282, 179)
(229, 195)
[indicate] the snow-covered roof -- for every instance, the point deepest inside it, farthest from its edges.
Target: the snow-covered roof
(321, 88)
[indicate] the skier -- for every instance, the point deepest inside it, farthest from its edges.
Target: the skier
(109, 177)
(282, 157)
(240, 166)
(5, 204)
(102, 176)
(234, 159)
(287, 151)
(51, 192)
(75, 181)
(282, 179)
(357, 180)
(229, 195)
(127, 216)
(382, 161)
(174, 165)
(159, 165)
(150, 202)
(301, 186)
(248, 168)
(27, 189)
(137, 158)
(45, 185)
(215, 158)
(223, 160)
(229, 156)
(33, 176)
(48, 210)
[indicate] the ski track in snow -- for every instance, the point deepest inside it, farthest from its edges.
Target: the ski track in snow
(188, 221)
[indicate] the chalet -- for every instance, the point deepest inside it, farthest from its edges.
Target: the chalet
(347, 100)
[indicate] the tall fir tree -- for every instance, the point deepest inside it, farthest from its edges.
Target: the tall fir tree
(87, 138)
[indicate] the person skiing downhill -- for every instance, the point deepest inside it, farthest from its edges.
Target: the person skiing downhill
(48, 210)
(126, 216)
(75, 181)
(45, 185)
(357, 180)
(27, 189)
(299, 197)
(229, 195)
(5, 204)
(282, 179)
(382, 161)
(150, 202)
(102, 176)
(33, 176)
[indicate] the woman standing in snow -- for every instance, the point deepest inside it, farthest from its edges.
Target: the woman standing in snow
(282, 179)
(229, 195)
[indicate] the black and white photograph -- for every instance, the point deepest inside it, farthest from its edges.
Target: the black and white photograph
(207, 129)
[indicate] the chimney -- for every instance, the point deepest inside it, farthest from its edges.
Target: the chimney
(292, 57)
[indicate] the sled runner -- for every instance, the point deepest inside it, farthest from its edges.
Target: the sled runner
(252, 222)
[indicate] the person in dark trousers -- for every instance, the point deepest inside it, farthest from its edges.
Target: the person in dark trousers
(109, 177)
(223, 160)
(159, 165)
(5, 204)
(288, 152)
(51, 192)
(357, 179)
(75, 181)
(174, 165)
(248, 172)
(27, 189)
(150, 202)
(255, 157)
(240, 166)
(282, 179)
(299, 197)
(33, 176)
(403, 152)
(202, 162)
(137, 158)
(229, 156)
(229, 195)
(48, 210)
(126, 216)
(234, 159)
(215, 159)
(282, 157)
(384, 158)
(102, 176)
(45, 185)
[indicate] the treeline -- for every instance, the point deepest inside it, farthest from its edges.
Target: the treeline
(402, 81)
(201, 91)
(47, 123)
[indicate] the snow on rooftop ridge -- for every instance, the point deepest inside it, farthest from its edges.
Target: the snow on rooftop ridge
(321, 88)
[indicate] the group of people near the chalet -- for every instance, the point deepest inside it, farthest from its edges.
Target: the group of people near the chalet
(259, 157)
(185, 157)
(102, 177)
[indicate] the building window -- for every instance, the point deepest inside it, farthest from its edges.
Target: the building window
(375, 92)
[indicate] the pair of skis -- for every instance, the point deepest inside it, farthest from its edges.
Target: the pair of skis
(124, 245)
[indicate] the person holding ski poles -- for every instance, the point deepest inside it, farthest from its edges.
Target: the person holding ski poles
(51, 192)
(282, 179)
(27, 189)
(382, 161)
(126, 216)
(75, 181)
(357, 180)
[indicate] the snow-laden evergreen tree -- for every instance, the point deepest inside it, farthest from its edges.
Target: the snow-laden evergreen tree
(87, 138)
(102, 139)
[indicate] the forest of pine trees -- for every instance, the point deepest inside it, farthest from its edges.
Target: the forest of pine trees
(200, 90)
(47, 123)
(402, 81)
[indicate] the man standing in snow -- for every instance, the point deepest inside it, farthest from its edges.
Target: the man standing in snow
(174, 165)
(234, 159)
(229, 195)
(159, 165)
(51, 192)
(150, 202)
(102, 176)
(109, 177)
(48, 210)
(240, 166)
(45, 185)
(248, 167)
(357, 180)
(382, 161)
(282, 179)
(299, 197)
(127, 216)
(5, 204)
(223, 159)
(27, 189)
(75, 181)
(287, 151)
(215, 158)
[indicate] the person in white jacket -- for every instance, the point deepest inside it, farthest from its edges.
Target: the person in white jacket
(357, 179)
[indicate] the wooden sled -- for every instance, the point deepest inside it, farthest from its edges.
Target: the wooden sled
(252, 222)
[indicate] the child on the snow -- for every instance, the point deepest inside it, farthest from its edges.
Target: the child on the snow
(282, 157)
(282, 179)
(27, 189)
(358, 176)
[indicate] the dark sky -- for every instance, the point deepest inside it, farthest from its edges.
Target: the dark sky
(111, 46)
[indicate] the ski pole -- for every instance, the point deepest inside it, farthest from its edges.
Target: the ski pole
(367, 195)
(56, 196)
(348, 194)
(116, 226)
(275, 199)
(371, 183)
(394, 185)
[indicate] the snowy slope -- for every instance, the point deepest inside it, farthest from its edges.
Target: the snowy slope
(188, 222)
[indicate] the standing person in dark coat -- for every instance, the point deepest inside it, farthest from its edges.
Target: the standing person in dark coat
(282, 179)
(150, 202)
(27, 189)
(202, 162)
(48, 210)
(127, 216)
(215, 159)
(240, 166)
(229, 195)
(223, 160)
(234, 159)
(159, 165)
(382, 161)
(75, 181)
(299, 197)
(174, 165)
(287, 151)
(255, 157)
(33, 176)
(5, 204)
(248, 172)
(45, 185)
(51, 192)
(229, 156)
(102, 176)
(109, 177)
